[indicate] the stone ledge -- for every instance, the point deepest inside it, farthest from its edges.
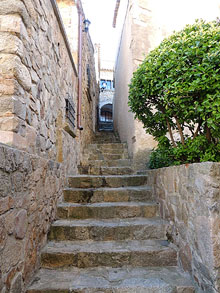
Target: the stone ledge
(69, 129)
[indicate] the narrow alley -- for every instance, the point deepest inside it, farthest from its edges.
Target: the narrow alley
(80, 209)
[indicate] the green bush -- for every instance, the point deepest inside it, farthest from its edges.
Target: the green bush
(176, 90)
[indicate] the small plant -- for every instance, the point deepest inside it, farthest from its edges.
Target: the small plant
(175, 92)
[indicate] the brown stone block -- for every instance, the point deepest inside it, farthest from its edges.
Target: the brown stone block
(12, 254)
(3, 233)
(12, 67)
(14, 8)
(6, 105)
(185, 256)
(9, 124)
(17, 284)
(10, 23)
(11, 44)
(9, 221)
(31, 137)
(30, 256)
(13, 139)
(7, 86)
(10, 277)
(20, 224)
(5, 204)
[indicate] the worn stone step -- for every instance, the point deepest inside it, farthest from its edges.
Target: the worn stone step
(84, 254)
(107, 139)
(112, 280)
(107, 156)
(107, 210)
(89, 181)
(111, 151)
(110, 171)
(102, 154)
(92, 169)
(120, 194)
(108, 229)
(108, 146)
(109, 163)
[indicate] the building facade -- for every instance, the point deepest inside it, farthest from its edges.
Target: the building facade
(146, 23)
(106, 96)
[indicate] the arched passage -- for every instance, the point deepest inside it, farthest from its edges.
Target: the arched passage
(106, 113)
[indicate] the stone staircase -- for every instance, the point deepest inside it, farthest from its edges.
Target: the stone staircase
(108, 236)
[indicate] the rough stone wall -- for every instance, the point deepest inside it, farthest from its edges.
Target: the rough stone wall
(90, 92)
(131, 52)
(34, 84)
(90, 89)
(147, 22)
(29, 190)
(37, 74)
(189, 197)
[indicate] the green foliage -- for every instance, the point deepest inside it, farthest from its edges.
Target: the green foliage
(194, 151)
(161, 157)
(177, 90)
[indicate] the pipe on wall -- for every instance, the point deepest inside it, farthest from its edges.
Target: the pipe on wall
(79, 105)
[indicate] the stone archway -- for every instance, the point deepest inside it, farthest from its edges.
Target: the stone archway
(106, 113)
(106, 117)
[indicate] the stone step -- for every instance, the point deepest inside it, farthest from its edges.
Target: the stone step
(106, 139)
(112, 280)
(101, 150)
(95, 181)
(107, 146)
(107, 210)
(120, 194)
(85, 254)
(110, 171)
(109, 163)
(106, 151)
(108, 229)
(107, 156)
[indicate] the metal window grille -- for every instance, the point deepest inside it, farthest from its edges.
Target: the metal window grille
(88, 76)
(70, 112)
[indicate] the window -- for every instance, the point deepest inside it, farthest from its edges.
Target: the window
(70, 112)
(106, 84)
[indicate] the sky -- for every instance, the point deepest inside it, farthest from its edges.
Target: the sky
(101, 13)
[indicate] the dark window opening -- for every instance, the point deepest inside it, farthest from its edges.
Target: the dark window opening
(70, 112)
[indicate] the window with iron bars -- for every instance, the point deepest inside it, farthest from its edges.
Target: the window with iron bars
(70, 112)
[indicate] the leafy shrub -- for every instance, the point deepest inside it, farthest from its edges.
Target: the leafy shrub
(176, 90)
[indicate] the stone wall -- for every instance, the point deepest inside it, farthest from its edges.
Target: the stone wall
(90, 89)
(37, 75)
(29, 190)
(146, 24)
(133, 47)
(189, 198)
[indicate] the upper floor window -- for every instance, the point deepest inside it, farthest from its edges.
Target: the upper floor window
(106, 84)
